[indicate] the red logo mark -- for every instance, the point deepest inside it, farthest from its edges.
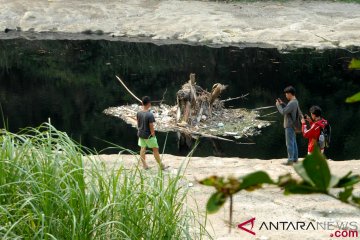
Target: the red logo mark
(245, 223)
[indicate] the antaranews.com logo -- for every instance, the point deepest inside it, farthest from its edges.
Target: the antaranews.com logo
(336, 229)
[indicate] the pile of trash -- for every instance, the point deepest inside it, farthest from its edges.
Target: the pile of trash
(236, 123)
(198, 113)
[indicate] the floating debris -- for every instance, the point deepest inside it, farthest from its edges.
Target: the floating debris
(198, 113)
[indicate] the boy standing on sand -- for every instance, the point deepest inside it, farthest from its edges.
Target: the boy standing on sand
(289, 111)
(146, 133)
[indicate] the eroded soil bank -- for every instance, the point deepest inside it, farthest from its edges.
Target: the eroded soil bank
(282, 25)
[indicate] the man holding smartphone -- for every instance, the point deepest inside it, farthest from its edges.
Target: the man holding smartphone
(290, 112)
(146, 133)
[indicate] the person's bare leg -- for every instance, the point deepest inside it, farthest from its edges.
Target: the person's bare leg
(142, 157)
(157, 157)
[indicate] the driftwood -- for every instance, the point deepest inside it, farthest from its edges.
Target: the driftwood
(272, 113)
(262, 108)
(122, 83)
(195, 103)
(187, 131)
(235, 98)
(217, 89)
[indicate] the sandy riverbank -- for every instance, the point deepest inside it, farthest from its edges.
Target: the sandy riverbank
(281, 25)
(265, 205)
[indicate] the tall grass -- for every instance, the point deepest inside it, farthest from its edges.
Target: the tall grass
(52, 188)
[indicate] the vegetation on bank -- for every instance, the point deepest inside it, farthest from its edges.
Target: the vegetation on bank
(314, 173)
(51, 188)
(354, 65)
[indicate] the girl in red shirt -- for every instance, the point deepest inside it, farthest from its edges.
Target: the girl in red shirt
(317, 123)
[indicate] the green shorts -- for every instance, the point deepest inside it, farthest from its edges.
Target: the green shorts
(150, 143)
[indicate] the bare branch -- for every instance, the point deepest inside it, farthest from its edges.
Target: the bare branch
(230, 99)
(128, 89)
(261, 108)
(163, 96)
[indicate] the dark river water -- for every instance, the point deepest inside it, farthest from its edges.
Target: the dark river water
(72, 82)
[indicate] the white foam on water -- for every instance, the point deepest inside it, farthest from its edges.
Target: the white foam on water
(281, 24)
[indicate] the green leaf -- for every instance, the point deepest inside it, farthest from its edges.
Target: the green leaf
(285, 180)
(293, 187)
(254, 180)
(353, 98)
(253, 187)
(344, 195)
(300, 169)
(213, 181)
(334, 181)
(354, 64)
(317, 170)
(348, 181)
(231, 186)
(215, 202)
(356, 200)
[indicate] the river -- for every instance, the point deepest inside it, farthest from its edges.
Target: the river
(73, 81)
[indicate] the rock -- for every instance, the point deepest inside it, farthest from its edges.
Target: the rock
(99, 32)
(87, 32)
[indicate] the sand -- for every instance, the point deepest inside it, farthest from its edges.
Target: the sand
(267, 204)
(282, 25)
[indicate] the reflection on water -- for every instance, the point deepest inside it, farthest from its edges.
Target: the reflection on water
(72, 82)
